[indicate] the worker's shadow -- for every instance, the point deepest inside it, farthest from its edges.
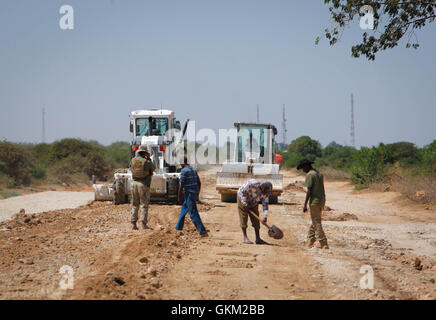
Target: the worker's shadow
(268, 244)
(287, 203)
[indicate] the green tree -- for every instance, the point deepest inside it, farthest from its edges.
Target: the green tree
(292, 159)
(306, 147)
(404, 152)
(338, 156)
(393, 21)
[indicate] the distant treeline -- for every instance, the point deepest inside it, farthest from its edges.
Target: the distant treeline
(63, 161)
(368, 164)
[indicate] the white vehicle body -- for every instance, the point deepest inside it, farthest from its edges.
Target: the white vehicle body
(155, 129)
(253, 159)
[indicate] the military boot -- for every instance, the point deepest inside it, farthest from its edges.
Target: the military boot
(145, 227)
(134, 227)
(323, 244)
(310, 242)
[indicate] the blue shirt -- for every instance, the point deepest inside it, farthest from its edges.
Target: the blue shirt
(189, 176)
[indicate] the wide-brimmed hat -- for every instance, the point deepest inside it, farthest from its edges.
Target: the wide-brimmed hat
(143, 148)
(303, 162)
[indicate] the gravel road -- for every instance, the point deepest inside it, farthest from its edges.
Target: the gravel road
(43, 201)
(393, 239)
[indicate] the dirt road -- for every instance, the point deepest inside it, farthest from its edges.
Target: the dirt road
(395, 238)
(43, 201)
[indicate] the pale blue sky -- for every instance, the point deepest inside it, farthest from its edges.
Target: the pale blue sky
(211, 61)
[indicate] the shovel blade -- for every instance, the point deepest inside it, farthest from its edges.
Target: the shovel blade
(275, 232)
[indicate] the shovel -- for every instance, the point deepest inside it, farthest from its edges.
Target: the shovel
(273, 231)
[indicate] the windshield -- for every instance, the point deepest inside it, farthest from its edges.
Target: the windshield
(251, 142)
(159, 126)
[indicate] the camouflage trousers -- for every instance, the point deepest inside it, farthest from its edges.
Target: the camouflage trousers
(140, 199)
(316, 230)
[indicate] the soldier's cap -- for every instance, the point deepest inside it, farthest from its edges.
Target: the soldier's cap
(303, 162)
(143, 148)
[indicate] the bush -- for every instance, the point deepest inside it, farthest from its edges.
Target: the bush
(118, 154)
(371, 165)
(428, 155)
(292, 159)
(338, 157)
(333, 174)
(16, 162)
(70, 156)
(38, 172)
(7, 181)
(67, 147)
(66, 160)
(9, 194)
(41, 152)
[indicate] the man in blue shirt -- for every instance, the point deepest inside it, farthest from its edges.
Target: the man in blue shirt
(190, 184)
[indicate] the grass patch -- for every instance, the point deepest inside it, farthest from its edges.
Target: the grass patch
(9, 194)
(359, 187)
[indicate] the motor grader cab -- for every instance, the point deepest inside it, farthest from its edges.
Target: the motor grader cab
(154, 128)
(254, 158)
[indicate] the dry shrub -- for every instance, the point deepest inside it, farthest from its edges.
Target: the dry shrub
(421, 189)
(334, 174)
(418, 188)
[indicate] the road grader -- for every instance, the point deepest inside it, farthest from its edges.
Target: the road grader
(156, 128)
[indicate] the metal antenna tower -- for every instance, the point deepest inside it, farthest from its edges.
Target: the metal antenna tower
(284, 130)
(352, 133)
(43, 125)
(258, 117)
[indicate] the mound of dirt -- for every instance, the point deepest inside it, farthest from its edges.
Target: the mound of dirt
(296, 186)
(330, 216)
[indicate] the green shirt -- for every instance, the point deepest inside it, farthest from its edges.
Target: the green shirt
(315, 181)
(148, 166)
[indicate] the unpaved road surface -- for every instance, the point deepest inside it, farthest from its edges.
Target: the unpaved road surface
(395, 238)
(43, 201)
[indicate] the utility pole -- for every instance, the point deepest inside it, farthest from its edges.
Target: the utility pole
(352, 133)
(43, 125)
(258, 117)
(284, 130)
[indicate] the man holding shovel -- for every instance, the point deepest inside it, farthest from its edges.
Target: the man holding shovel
(249, 196)
(315, 196)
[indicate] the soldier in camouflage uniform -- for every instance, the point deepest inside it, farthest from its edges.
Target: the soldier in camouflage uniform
(142, 171)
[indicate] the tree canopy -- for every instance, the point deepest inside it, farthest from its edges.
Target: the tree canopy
(393, 21)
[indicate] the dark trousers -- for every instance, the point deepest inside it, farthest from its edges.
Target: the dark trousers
(190, 205)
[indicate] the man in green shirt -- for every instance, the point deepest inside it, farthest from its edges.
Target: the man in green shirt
(142, 171)
(316, 197)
